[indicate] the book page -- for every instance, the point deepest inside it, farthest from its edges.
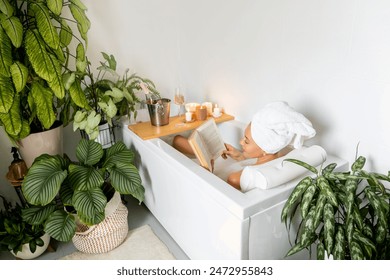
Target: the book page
(212, 139)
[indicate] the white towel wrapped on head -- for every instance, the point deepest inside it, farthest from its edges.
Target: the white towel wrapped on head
(277, 125)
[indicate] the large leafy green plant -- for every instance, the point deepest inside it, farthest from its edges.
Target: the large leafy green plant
(59, 189)
(35, 54)
(345, 214)
(108, 95)
(15, 232)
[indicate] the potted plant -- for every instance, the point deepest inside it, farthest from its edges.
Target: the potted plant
(23, 240)
(62, 192)
(345, 214)
(35, 59)
(109, 95)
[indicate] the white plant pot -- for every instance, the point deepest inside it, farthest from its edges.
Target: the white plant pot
(26, 254)
(47, 142)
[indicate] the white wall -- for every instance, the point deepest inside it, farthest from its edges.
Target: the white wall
(328, 59)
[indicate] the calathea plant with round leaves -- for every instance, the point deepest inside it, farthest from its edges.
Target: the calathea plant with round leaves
(345, 214)
(58, 189)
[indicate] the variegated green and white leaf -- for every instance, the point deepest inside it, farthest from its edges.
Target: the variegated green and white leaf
(329, 227)
(320, 251)
(306, 200)
(303, 164)
(356, 251)
(339, 245)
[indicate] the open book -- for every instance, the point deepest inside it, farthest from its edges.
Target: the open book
(207, 143)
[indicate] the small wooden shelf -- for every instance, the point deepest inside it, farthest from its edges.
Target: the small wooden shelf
(146, 130)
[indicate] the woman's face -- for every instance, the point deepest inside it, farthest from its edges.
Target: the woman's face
(249, 147)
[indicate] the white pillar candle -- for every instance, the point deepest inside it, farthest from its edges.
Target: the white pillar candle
(188, 116)
(217, 111)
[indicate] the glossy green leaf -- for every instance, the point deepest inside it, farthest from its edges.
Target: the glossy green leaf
(14, 29)
(89, 152)
(83, 23)
(339, 244)
(306, 200)
(43, 181)
(303, 164)
(89, 205)
(12, 120)
(6, 7)
(5, 53)
(126, 180)
(329, 227)
(6, 94)
(85, 177)
(37, 215)
(61, 226)
(118, 153)
(66, 34)
(45, 26)
(43, 97)
(78, 95)
(19, 74)
(55, 6)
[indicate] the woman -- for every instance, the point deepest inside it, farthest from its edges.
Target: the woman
(272, 129)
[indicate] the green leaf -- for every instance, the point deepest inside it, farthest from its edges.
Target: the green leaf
(358, 164)
(43, 98)
(118, 153)
(66, 33)
(126, 180)
(323, 184)
(295, 196)
(12, 121)
(85, 177)
(7, 94)
(19, 74)
(78, 95)
(5, 53)
(61, 226)
(43, 181)
(55, 6)
(306, 200)
(45, 26)
(83, 23)
(6, 8)
(45, 65)
(329, 227)
(89, 152)
(37, 215)
(339, 246)
(79, 4)
(356, 251)
(329, 168)
(14, 29)
(89, 205)
(320, 251)
(303, 164)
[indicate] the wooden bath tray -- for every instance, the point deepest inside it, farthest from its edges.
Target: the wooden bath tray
(146, 130)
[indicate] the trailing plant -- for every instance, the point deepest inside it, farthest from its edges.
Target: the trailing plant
(15, 232)
(108, 95)
(58, 189)
(35, 54)
(344, 214)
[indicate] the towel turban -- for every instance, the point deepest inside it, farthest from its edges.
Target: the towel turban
(277, 125)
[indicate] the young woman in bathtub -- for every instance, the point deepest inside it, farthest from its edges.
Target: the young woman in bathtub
(273, 129)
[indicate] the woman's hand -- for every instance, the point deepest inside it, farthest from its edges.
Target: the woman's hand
(233, 152)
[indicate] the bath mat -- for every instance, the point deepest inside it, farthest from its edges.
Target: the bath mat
(140, 244)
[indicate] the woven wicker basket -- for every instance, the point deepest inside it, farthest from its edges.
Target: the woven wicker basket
(108, 234)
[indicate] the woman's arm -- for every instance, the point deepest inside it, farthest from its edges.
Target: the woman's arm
(234, 179)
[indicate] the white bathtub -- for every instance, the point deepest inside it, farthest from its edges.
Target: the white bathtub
(208, 218)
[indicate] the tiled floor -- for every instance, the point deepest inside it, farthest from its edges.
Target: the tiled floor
(139, 215)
